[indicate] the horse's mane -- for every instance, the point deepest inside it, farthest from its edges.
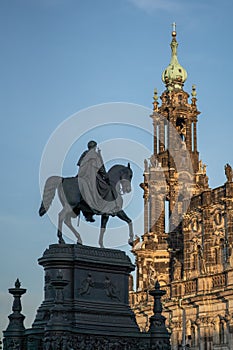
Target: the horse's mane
(114, 167)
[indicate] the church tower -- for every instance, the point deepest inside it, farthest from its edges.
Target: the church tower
(172, 175)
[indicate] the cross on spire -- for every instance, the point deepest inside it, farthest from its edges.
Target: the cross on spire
(174, 26)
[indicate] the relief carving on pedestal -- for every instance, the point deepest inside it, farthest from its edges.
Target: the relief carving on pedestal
(111, 290)
(87, 285)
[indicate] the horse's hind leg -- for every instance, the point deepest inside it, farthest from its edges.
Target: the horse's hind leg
(104, 220)
(69, 224)
(61, 217)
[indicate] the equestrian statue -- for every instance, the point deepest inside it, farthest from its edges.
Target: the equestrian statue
(94, 191)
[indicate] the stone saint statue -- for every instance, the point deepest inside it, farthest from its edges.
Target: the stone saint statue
(228, 172)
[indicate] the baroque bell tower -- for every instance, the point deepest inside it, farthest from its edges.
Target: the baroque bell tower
(172, 175)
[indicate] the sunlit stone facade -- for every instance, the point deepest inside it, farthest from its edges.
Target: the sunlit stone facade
(188, 227)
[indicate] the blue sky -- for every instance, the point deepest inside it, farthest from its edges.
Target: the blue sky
(61, 56)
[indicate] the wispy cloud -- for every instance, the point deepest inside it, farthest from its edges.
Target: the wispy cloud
(152, 5)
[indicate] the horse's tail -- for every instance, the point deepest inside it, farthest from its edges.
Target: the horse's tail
(51, 185)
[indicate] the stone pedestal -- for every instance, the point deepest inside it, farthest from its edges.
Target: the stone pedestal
(94, 296)
(86, 305)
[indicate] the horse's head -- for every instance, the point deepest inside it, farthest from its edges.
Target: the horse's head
(120, 177)
(126, 175)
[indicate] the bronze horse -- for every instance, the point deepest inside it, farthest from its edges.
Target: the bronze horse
(68, 192)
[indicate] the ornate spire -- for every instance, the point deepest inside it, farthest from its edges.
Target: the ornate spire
(174, 75)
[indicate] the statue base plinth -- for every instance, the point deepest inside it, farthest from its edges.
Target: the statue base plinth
(86, 304)
(95, 297)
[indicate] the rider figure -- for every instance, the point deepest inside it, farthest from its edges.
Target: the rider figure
(92, 147)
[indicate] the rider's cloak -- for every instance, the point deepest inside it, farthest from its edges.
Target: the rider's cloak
(99, 195)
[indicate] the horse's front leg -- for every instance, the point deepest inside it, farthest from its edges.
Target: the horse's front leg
(121, 215)
(61, 217)
(104, 220)
(69, 224)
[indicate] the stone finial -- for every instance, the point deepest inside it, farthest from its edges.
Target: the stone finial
(17, 283)
(158, 331)
(157, 293)
(17, 292)
(194, 93)
(155, 98)
(15, 330)
(157, 285)
(194, 96)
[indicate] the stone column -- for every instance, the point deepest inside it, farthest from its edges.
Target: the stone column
(207, 240)
(161, 136)
(157, 216)
(146, 215)
(170, 138)
(152, 213)
(189, 136)
(229, 221)
(187, 247)
(195, 135)
(145, 187)
(155, 123)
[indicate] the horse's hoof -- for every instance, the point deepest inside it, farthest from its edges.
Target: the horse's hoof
(101, 245)
(79, 242)
(90, 219)
(61, 241)
(130, 242)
